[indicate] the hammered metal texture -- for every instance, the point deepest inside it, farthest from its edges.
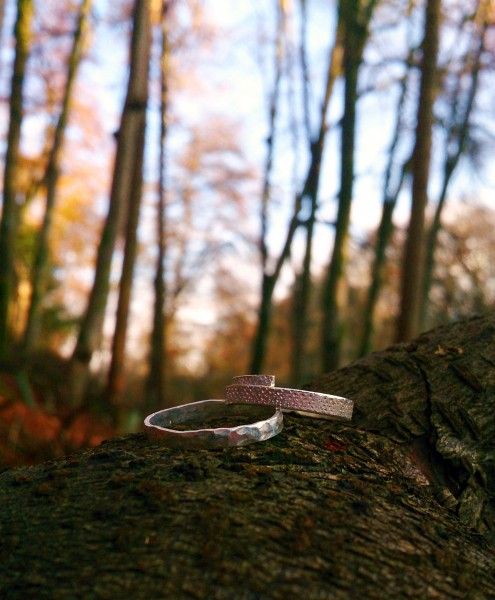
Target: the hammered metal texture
(160, 425)
(290, 399)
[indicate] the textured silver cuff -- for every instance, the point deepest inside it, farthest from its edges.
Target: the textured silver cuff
(308, 403)
(161, 424)
(267, 380)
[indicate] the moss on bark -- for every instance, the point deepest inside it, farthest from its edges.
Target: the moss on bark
(399, 504)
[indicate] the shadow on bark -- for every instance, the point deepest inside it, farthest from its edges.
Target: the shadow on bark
(398, 504)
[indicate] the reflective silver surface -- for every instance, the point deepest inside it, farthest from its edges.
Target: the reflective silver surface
(267, 423)
(308, 403)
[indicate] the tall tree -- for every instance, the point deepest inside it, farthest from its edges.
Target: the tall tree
(273, 109)
(302, 288)
(456, 141)
(393, 180)
(22, 33)
(308, 191)
(115, 376)
(51, 179)
(413, 259)
(127, 141)
(355, 16)
(272, 121)
(156, 389)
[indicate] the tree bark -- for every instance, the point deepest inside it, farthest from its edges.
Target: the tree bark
(116, 380)
(156, 388)
(131, 122)
(459, 132)
(397, 504)
(355, 22)
(413, 260)
(51, 180)
(22, 33)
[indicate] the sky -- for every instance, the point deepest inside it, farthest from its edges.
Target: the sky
(234, 74)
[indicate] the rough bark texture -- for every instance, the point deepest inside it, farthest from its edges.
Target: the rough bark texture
(398, 504)
(412, 264)
(22, 32)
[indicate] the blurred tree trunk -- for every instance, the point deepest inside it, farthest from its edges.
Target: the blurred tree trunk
(457, 136)
(413, 260)
(302, 289)
(90, 331)
(22, 33)
(156, 383)
(116, 380)
(267, 281)
(2, 17)
(270, 280)
(51, 180)
(355, 22)
(391, 189)
(270, 140)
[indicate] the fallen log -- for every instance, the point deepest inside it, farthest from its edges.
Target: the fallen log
(397, 504)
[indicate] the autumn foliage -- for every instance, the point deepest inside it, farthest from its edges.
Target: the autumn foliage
(188, 195)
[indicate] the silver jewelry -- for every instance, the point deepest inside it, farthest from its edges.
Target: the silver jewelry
(249, 389)
(161, 424)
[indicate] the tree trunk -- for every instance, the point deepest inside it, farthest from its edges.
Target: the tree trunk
(131, 122)
(2, 18)
(397, 504)
(263, 322)
(22, 32)
(116, 379)
(412, 264)
(383, 236)
(267, 286)
(156, 389)
(270, 140)
(303, 290)
(269, 280)
(355, 26)
(459, 128)
(51, 180)
(391, 192)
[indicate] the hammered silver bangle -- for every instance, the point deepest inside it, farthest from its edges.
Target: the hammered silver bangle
(161, 424)
(260, 389)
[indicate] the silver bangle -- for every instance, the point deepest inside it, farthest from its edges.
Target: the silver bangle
(160, 424)
(250, 389)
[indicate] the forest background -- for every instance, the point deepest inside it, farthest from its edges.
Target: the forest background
(195, 189)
